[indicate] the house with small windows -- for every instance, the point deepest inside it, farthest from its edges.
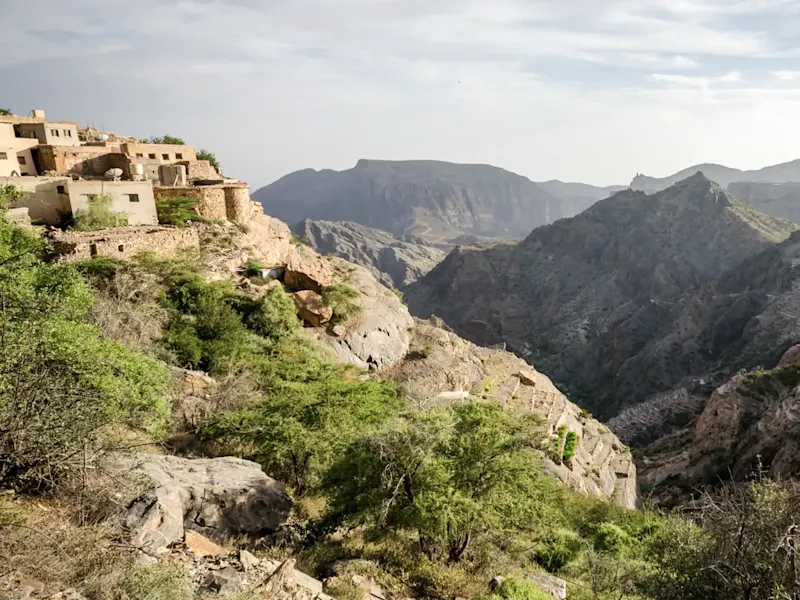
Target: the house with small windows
(52, 199)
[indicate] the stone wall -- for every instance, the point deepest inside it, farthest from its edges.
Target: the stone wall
(210, 199)
(123, 242)
(164, 153)
(230, 201)
(86, 161)
(238, 206)
(200, 169)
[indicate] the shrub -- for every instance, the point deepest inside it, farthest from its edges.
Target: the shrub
(610, 538)
(426, 351)
(340, 298)
(209, 156)
(454, 475)
(558, 443)
(99, 215)
(557, 549)
(254, 267)
(9, 194)
(570, 445)
(515, 588)
(165, 139)
(177, 210)
(275, 315)
(157, 582)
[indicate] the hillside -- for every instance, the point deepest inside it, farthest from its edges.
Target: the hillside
(581, 195)
(780, 200)
(394, 261)
(724, 176)
(600, 289)
(436, 201)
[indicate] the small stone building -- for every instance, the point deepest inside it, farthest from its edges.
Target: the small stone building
(224, 201)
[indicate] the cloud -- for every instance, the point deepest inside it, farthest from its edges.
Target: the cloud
(551, 89)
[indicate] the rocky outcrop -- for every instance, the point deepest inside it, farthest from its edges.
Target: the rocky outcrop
(441, 364)
(394, 261)
(784, 172)
(307, 270)
(777, 199)
(311, 308)
(376, 337)
(627, 278)
(436, 201)
(219, 498)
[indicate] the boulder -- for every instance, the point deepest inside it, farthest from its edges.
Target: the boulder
(311, 308)
(282, 584)
(218, 497)
(224, 581)
(790, 357)
(378, 336)
(248, 560)
(307, 270)
(201, 546)
(554, 586)
(190, 397)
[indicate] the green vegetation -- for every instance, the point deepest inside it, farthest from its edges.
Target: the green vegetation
(570, 445)
(6, 112)
(209, 156)
(165, 139)
(176, 211)
(341, 298)
(439, 500)
(99, 215)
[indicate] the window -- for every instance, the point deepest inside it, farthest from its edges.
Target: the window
(17, 133)
(133, 197)
(61, 189)
(68, 132)
(22, 160)
(151, 155)
(139, 155)
(178, 156)
(90, 197)
(93, 250)
(54, 133)
(3, 156)
(121, 248)
(165, 156)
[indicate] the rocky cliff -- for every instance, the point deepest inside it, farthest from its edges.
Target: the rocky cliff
(583, 297)
(437, 201)
(784, 172)
(777, 199)
(395, 261)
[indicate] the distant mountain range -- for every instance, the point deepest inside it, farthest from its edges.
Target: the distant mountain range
(596, 301)
(724, 176)
(439, 202)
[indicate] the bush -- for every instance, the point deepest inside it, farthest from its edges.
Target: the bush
(558, 443)
(274, 316)
(570, 445)
(157, 582)
(340, 298)
(177, 210)
(99, 215)
(209, 156)
(514, 588)
(455, 475)
(165, 139)
(556, 550)
(610, 538)
(254, 267)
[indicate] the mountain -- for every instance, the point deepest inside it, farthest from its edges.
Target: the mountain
(583, 297)
(777, 199)
(437, 201)
(580, 194)
(784, 172)
(395, 262)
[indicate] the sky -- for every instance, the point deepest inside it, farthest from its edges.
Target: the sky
(577, 90)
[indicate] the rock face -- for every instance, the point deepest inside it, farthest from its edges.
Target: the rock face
(437, 201)
(395, 261)
(311, 308)
(441, 364)
(579, 196)
(752, 421)
(612, 284)
(777, 199)
(378, 336)
(722, 175)
(219, 498)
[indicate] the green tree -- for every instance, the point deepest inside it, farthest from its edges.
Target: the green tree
(570, 445)
(514, 588)
(177, 210)
(211, 158)
(453, 475)
(98, 215)
(6, 112)
(166, 139)
(341, 298)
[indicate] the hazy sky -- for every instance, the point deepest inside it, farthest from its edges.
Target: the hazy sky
(588, 90)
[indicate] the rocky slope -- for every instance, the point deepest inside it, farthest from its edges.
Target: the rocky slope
(583, 297)
(436, 201)
(394, 261)
(784, 172)
(777, 199)
(579, 196)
